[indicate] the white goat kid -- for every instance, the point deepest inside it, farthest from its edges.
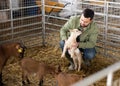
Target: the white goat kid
(71, 45)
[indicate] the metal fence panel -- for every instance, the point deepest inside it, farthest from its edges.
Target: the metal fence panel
(21, 20)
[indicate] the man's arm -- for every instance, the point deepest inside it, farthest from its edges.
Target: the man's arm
(65, 29)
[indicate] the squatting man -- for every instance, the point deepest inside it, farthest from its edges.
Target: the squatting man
(87, 40)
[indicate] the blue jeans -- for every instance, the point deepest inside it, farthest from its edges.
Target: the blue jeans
(88, 53)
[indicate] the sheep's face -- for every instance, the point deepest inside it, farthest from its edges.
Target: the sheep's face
(20, 48)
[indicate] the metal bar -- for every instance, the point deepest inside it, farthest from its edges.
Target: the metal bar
(109, 79)
(11, 13)
(52, 29)
(55, 17)
(106, 23)
(25, 7)
(27, 25)
(98, 75)
(53, 24)
(31, 35)
(27, 17)
(43, 21)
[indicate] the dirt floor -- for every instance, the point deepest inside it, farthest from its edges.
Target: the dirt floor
(12, 75)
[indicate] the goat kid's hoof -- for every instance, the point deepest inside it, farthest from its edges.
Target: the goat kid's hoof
(23, 83)
(62, 56)
(2, 84)
(78, 70)
(71, 67)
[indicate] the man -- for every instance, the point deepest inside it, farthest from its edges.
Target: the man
(87, 39)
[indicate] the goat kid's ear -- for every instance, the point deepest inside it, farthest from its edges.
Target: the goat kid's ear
(19, 49)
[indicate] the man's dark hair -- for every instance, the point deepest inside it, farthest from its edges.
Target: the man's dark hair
(88, 13)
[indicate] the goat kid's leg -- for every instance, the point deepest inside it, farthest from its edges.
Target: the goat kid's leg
(79, 58)
(64, 50)
(79, 63)
(75, 62)
(1, 84)
(40, 77)
(28, 81)
(73, 56)
(23, 82)
(25, 78)
(57, 83)
(41, 82)
(72, 52)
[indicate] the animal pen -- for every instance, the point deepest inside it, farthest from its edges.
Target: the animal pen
(38, 22)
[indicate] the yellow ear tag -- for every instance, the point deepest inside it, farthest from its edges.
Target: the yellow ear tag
(19, 50)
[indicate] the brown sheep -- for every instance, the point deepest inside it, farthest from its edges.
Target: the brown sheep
(30, 67)
(6, 51)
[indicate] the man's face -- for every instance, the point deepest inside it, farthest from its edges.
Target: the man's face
(84, 21)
